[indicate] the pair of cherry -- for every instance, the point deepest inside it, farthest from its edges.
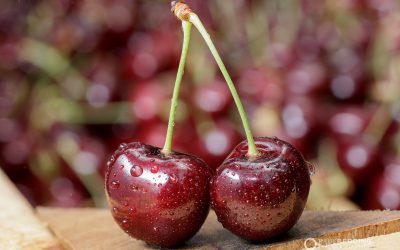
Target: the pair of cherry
(163, 197)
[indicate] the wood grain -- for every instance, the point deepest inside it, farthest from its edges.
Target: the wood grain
(20, 229)
(95, 229)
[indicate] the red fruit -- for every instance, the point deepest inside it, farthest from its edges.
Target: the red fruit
(348, 122)
(213, 97)
(301, 123)
(261, 85)
(149, 54)
(162, 200)
(384, 192)
(146, 99)
(358, 159)
(215, 143)
(307, 78)
(261, 198)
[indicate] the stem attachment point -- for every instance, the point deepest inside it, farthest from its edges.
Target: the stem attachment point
(181, 10)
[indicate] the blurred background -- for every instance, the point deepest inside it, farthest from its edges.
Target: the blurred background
(79, 77)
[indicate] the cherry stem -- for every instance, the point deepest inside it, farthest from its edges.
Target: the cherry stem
(193, 18)
(186, 27)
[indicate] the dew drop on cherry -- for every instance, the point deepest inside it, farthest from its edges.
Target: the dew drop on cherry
(311, 169)
(114, 184)
(154, 169)
(136, 171)
(173, 178)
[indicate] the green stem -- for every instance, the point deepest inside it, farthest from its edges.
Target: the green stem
(193, 18)
(187, 27)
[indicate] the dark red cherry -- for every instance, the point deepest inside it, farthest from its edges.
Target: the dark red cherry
(264, 197)
(307, 78)
(348, 121)
(300, 123)
(261, 85)
(215, 143)
(213, 97)
(384, 191)
(162, 200)
(358, 159)
(146, 99)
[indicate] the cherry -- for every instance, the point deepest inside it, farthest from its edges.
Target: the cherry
(215, 143)
(358, 158)
(158, 195)
(300, 122)
(263, 197)
(146, 99)
(348, 121)
(384, 192)
(148, 54)
(213, 97)
(261, 85)
(160, 199)
(307, 78)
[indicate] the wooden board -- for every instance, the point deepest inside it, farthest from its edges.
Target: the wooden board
(95, 229)
(19, 227)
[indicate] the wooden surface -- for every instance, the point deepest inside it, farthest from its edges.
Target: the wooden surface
(95, 229)
(19, 226)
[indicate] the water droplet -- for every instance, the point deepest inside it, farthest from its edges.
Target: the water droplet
(114, 184)
(262, 187)
(311, 169)
(154, 169)
(109, 162)
(115, 210)
(121, 167)
(123, 146)
(277, 190)
(171, 213)
(155, 229)
(246, 215)
(136, 171)
(125, 203)
(173, 178)
(134, 188)
(124, 222)
(132, 210)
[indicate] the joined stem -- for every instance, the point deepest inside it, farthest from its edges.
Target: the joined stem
(252, 151)
(186, 27)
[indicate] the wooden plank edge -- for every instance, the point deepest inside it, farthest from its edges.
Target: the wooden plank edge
(362, 232)
(19, 226)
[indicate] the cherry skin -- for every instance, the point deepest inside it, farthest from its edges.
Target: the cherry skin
(261, 198)
(162, 200)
